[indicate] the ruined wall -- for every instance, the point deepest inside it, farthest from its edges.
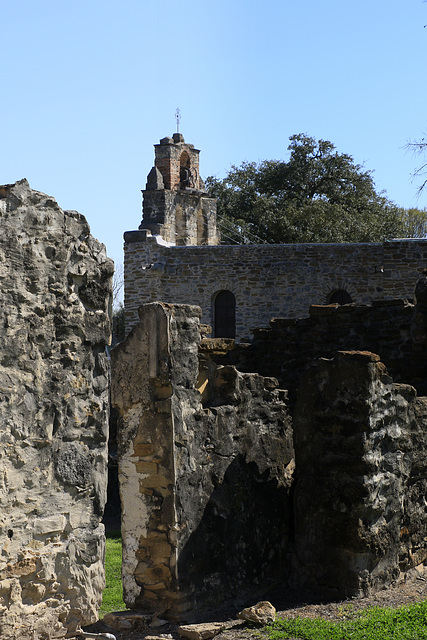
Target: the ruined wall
(287, 347)
(55, 288)
(268, 281)
(206, 465)
(206, 461)
(354, 450)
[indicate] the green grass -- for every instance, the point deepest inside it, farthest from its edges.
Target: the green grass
(375, 623)
(112, 598)
(405, 623)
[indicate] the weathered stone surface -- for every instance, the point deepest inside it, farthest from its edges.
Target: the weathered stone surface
(287, 347)
(413, 526)
(352, 430)
(54, 296)
(268, 281)
(123, 620)
(202, 631)
(261, 613)
(205, 467)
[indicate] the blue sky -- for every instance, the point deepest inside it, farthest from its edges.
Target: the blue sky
(88, 87)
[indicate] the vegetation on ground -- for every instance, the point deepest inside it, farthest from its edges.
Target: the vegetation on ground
(112, 598)
(375, 623)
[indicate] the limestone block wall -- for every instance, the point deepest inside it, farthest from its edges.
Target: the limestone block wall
(180, 217)
(287, 347)
(55, 291)
(205, 462)
(394, 329)
(360, 475)
(267, 281)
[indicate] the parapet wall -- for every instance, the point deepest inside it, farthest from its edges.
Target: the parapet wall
(287, 347)
(55, 292)
(268, 281)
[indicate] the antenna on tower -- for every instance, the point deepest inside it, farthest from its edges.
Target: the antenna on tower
(177, 118)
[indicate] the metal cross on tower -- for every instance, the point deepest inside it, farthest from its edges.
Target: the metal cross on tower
(178, 119)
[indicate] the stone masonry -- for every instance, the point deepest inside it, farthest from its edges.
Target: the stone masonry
(175, 257)
(205, 466)
(214, 501)
(268, 281)
(286, 348)
(357, 503)
(55, 284)
(176, 208)
(354, 455)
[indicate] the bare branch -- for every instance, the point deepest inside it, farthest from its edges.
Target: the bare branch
(118, 284)
(419, 147)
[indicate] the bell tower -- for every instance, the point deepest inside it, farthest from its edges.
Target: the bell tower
(175, 203)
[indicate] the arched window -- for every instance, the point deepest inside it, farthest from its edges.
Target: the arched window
(340, 296)
(225, 315)
(185, 174)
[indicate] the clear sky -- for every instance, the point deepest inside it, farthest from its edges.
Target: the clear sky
(88, 87)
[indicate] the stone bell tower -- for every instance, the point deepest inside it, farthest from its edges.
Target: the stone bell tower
(175, 204)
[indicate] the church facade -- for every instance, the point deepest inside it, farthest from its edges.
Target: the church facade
(176, 257)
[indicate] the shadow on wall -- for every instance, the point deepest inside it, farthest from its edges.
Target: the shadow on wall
(238, 537)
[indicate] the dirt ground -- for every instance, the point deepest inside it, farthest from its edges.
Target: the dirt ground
(412, 590)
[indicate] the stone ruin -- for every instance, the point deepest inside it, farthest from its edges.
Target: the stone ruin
(205, 465)
(55, 283)
(298, 459)
(224, 491)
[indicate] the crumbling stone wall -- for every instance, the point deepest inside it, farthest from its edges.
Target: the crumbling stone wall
(268, 281)
(393, 329)
(55, 290)
(358, 452)
(207, 457)
(206, 462)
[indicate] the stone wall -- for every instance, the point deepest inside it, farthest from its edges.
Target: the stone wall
(205, 463)
(171, 156)
(179, 217)
(356, 459)
(55, 284)
(287, 347)
(267, 281)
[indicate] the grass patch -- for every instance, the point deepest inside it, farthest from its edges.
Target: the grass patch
(375, 623)
(112, 597)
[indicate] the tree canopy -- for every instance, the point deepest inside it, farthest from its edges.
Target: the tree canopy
(318, 195)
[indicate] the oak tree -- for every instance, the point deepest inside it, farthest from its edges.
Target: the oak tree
(318, 195)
